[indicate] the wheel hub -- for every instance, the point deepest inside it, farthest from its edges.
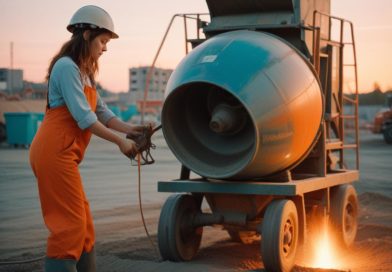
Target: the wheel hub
(287, 237)
(349, 218)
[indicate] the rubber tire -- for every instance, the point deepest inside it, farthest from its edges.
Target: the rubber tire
(177, 240)
(243, 237)
(3, 133)
(344, 214)
(388, 135)
(275, 256)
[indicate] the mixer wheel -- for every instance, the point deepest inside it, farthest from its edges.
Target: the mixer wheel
(344, 213)
(279, 235)
(178, 240)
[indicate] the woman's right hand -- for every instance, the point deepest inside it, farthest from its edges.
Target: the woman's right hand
(128, 148)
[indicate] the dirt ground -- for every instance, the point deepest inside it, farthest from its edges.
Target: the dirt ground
(121, 242)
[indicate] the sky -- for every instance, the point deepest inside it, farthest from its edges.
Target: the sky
(37, 30)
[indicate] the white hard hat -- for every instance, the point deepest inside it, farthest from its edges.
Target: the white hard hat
(92, 16)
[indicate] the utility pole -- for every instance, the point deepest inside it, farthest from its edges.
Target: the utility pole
(12, 67)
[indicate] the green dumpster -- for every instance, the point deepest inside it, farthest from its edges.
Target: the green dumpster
(22, 126)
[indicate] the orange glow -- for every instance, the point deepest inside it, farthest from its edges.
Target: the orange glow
(324, 250)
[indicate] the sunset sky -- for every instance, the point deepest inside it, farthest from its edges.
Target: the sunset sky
(37, 30)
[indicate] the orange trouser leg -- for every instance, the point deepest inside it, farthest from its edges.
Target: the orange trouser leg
(89, 240)
(65, 210)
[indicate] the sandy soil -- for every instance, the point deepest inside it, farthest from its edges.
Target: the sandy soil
(122, 244)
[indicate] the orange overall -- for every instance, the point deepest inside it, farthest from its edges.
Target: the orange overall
(55, 154)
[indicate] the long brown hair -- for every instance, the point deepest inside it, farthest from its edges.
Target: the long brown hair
(78, 49)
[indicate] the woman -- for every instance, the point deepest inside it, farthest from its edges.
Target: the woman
(74, 112)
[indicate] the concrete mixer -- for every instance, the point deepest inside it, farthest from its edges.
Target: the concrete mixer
(256, 111)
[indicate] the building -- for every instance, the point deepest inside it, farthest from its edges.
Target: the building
(11, 81)
(137, 83)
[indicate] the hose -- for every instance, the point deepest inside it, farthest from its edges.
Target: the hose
(23, 261)
(141, 207)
